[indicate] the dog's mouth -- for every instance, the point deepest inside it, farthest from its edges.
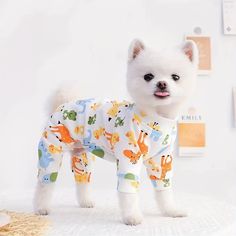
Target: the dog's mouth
(161, 94)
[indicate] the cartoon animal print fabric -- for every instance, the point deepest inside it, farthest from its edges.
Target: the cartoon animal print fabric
(80, 165)
(115, 131)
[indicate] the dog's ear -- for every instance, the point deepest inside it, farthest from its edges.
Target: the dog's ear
(135, 48)
(190, 49)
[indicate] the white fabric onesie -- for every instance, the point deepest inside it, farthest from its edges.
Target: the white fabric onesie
(113, 131)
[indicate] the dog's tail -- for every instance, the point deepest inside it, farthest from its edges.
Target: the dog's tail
(64, 93)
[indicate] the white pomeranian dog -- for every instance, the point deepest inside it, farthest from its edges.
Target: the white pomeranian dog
(132, 134)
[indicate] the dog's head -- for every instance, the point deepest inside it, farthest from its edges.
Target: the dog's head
(161, 78)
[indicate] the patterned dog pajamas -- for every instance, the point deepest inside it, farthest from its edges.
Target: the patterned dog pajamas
(115, 131)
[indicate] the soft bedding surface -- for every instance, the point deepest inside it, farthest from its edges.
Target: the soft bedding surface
(206, 216)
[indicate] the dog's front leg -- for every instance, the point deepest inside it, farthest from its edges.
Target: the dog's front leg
(159, 170)
(167, 204)
(130, 210)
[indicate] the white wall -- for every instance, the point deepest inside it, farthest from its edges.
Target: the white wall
(43, 43)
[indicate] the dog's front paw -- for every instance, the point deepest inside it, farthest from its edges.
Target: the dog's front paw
(85, 203)
(134, 219)
(175, 212)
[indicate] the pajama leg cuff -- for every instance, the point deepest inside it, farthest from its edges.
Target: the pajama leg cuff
(128, 183)
(161, 184)
(48, 178)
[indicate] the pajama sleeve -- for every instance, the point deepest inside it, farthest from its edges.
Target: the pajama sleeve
(128, 178)
(129, 163)
(159, 166)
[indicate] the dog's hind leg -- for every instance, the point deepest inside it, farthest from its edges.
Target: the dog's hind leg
(43, 193)
(42, 198)
(50, 157)
(81, 163)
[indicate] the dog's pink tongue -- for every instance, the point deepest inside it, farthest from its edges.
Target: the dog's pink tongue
(162, 94)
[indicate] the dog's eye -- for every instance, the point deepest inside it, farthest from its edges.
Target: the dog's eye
(175, 77)
(148, 77)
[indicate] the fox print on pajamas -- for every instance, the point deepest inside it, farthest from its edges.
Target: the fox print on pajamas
(110, 130)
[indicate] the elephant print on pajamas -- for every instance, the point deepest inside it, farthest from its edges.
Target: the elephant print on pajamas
(155, 134)
(87, 139)
(45, 158)
(50, 178)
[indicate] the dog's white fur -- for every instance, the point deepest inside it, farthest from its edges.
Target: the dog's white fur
(182, 61)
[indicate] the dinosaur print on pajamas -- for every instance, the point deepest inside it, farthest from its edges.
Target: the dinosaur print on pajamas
(82, 105)
(44, 155)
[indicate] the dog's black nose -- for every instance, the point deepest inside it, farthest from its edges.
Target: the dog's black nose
(162, 85)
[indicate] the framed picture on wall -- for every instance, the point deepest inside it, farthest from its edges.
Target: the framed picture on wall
(204, 47)
(191, 134)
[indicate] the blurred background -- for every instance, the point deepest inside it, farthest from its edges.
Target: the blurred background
(46, 43)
